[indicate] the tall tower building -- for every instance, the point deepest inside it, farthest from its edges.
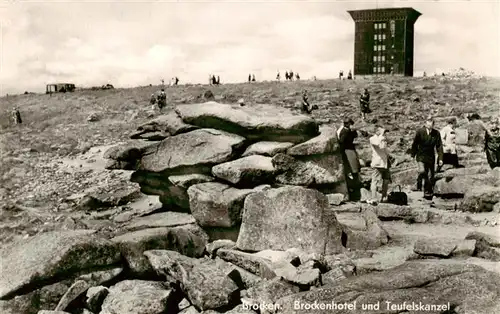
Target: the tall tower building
(384, 41)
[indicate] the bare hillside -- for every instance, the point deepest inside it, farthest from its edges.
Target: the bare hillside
(56, 126)
(190, 204)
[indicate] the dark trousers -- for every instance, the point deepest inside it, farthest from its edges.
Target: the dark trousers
(426, 173)
(450, 159)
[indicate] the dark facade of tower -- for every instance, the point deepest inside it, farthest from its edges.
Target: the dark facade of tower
(384, 41)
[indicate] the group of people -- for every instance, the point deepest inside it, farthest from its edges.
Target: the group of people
(289, 76)
(251, 78)
(174, 81)
(341, 75)
(427, 143)
(158, 99)
(213, 80)
(364, 102)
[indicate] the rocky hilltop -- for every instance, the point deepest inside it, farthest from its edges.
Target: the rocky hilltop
(217, 207)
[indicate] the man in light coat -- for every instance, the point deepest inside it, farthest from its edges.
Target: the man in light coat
(448, 136)
(380, 164)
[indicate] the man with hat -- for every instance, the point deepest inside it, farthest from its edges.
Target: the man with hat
(350, 158)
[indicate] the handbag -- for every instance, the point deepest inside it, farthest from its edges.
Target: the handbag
(397, 198)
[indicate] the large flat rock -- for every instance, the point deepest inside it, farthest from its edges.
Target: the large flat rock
(258, 122)
(289, 217)
(440, 247)
(460, 181)
(126, 155)
(247, 171)
(34, 261)
(325, 143)
(193, 152)
(189, 240)
(481, 198)
(171, 189)
(166, 219)
(205, 283)
(215, 204)
(291, 171)
(169, 123)
(138, 296)
(470, 288)
(267, 148)
(363, 231)
(130, 150)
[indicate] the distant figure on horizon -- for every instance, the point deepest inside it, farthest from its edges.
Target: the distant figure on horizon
(253, 77)
(341, 74)
(287, 76)
(218, 80)
(364, 102)
(210, 79)
(176, 81)
(16, 116)
(290, 74)
(278, 76)
(297, 76)
(349, 75)
(249, 78)
(425, 74)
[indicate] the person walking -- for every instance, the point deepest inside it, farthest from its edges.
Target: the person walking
(152, 101)
(380, 164)
(364, 102)
(350, 159)
(16, 116)
(448, 137)
(491, 139)
(162, 99)
(427, 140)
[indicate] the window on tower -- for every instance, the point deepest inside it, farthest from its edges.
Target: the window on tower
(393, 28)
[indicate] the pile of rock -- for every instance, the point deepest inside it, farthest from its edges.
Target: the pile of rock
(479, 186)
(79, 271)
(212, 156)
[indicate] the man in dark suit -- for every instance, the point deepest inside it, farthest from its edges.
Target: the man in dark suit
(350, 159)
(427, 141)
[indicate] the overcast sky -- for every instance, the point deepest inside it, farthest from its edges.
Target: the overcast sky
(136, 43)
